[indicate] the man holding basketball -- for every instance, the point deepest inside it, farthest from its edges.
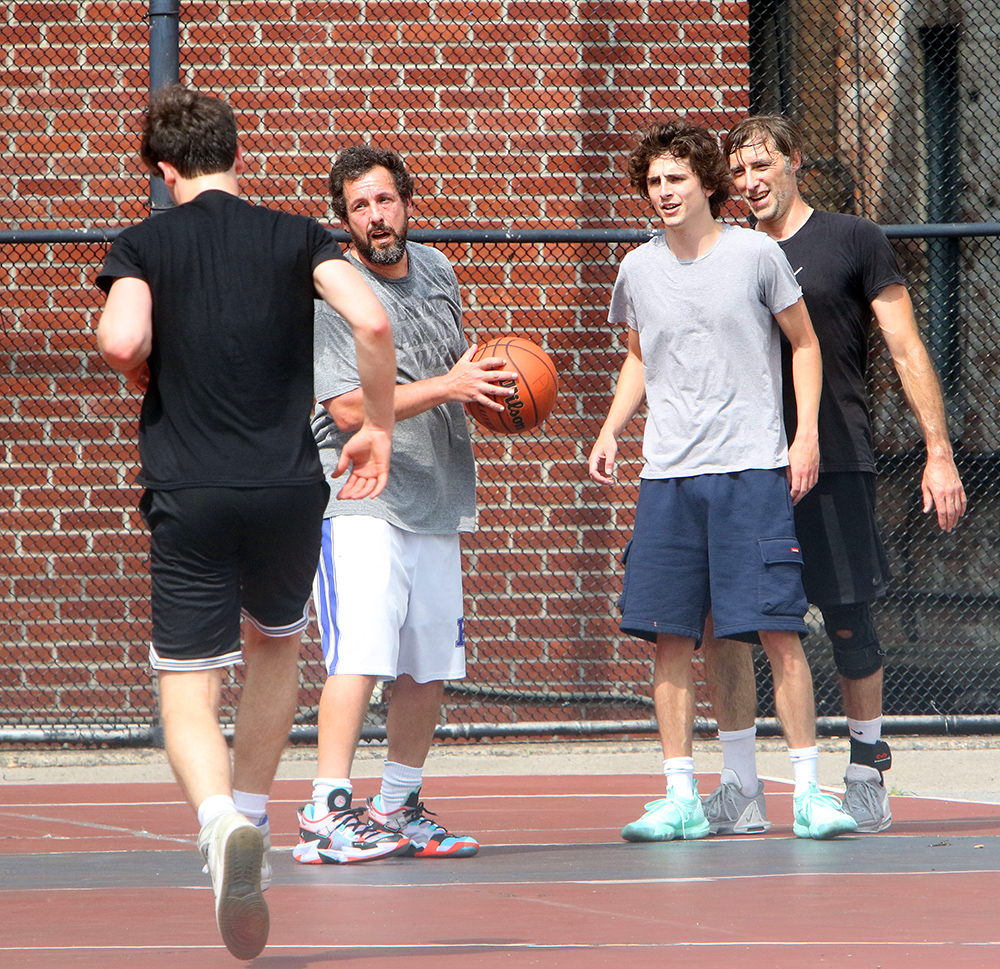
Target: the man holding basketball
(210, 310)
(705, 304)
(388, 590)
(849, 276)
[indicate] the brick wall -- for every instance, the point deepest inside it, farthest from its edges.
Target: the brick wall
(511, 115)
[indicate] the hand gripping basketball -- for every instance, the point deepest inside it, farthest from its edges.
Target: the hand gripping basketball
(534, 390)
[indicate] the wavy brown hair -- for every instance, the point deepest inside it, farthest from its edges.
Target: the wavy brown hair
(681, 139)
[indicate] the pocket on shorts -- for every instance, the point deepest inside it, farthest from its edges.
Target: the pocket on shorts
(780, 585)
(624, 562)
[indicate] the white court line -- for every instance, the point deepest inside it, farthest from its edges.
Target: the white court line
(501, 946)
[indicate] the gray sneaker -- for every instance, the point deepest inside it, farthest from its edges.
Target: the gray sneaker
(730, 811)
(867, 801)
(234, 851)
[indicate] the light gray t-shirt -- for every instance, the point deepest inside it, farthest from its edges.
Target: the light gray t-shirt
(432, 476)
(711, 352)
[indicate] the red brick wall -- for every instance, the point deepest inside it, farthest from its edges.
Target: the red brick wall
(512, 115)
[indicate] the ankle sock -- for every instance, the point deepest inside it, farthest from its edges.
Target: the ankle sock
(679, 772)
(805, 760)
(214, 807)
(323, 787)
(399, 781)
(252, 806)
(739, 754)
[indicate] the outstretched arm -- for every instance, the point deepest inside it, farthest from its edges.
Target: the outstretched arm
(941, 485)
(468, 380)
(367, 453)
(629, 395)
(807, 380)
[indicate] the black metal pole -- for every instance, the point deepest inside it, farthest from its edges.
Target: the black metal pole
(164, 69)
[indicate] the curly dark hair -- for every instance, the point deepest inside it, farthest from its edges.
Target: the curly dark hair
(358, 160)
(759, 129)
(681, 139)
(191, 131)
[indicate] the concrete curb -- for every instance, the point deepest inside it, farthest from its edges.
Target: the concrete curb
(966, 767)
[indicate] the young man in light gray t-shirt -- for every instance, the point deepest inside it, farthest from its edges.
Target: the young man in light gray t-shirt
(714, 531)
(388, 590)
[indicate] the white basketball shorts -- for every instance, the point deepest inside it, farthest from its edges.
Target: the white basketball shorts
(389, 602)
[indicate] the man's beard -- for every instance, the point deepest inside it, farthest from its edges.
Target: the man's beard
(389, 256)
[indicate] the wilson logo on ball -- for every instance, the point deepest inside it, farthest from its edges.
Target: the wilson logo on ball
(535, 389)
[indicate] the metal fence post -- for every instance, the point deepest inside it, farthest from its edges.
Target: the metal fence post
(164, 69)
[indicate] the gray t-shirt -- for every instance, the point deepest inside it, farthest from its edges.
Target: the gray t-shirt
(711, 352)
(432, 477)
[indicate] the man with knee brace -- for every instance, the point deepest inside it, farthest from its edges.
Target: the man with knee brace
(849, 276)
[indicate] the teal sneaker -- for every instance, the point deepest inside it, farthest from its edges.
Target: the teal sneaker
(820, 816)
(669, 818)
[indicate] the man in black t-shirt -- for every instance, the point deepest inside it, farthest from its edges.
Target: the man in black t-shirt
(210, 311)
(849, 276)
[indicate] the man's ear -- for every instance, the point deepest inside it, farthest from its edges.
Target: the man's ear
(169, 173)
(240, 164)
(796, 160)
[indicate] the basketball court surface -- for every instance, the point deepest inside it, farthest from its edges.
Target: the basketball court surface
(107, 874)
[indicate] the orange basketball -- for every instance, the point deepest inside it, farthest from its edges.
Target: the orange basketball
(535, 388)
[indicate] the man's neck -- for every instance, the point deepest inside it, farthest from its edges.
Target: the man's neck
(185, 189)
(780, 229)
(693, 241)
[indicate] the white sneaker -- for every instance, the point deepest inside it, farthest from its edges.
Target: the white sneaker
(866, 799)
(265, 862)
(730, 811)
(234, 851)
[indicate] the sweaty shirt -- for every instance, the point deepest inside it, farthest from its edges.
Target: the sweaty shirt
(230, 390)
(710, 352)
(432, 475)
(842, 263)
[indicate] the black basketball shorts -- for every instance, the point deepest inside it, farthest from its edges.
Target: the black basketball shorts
(222, 554)
(844, 559)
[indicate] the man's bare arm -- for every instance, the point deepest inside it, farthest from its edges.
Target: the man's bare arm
(941, 485)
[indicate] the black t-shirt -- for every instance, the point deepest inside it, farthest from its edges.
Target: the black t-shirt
(230, 392)
(842, 263)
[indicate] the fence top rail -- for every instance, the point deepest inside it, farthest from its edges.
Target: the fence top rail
(948, 230)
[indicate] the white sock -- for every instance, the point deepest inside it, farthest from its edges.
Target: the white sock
(323, 787)
(739, 754)
(214, 807)
(805, 760)
(865, 731)
(679, 772)
(252, 806)
(398, 782)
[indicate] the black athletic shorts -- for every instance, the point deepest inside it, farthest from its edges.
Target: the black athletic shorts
(221, 554)
(844, 559)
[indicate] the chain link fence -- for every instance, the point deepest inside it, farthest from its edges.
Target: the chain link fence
(515, 118)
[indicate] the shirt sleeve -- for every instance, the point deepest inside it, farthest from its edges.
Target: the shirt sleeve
(621, 309)
(322, 244)
(335, 362)
(779, 289)
(123, 259)
(878, 267)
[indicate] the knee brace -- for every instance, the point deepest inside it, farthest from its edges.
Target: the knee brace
(857, 652)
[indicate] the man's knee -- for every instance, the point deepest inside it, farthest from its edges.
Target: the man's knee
(857, 652)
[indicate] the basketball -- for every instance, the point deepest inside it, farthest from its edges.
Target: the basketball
(535, 388)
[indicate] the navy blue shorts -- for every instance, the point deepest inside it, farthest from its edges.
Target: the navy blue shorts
(222, 554)
(719, 542)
